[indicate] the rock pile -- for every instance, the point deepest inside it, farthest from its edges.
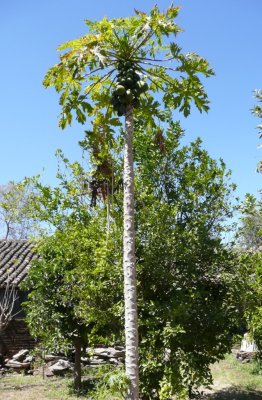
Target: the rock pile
(104, 355)
(57, 365)
(245, 356)
(20, 361)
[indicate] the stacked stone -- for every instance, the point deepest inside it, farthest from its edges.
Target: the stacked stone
(104, 355)
(57, 365)
(20, 361)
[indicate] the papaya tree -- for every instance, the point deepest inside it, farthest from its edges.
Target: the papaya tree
(126, 67)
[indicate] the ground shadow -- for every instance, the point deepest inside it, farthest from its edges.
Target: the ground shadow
(234, 394)
(87, 384)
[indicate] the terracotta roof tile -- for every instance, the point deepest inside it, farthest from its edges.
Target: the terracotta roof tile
(15, 259)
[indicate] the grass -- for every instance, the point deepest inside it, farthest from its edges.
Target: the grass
(34, 387)
(235, 381)
(232, 381)
(26, 387)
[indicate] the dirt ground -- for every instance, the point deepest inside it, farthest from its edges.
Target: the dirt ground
(22, 392)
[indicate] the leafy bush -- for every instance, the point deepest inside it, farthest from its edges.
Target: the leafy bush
(111, 385)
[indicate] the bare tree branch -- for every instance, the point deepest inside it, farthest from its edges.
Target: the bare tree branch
(7, 303)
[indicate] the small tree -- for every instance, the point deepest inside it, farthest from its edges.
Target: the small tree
(119, 65)
(74, 285)
(189, 281)
(70, 304)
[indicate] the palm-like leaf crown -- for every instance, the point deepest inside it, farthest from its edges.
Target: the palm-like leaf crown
(133, 53)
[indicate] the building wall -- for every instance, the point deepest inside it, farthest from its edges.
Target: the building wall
(16, 336)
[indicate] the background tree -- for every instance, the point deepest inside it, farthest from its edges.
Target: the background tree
(15, 215)
(250, 231)
(257, 111)
(250, 239)
(250, 243)
(123, 62)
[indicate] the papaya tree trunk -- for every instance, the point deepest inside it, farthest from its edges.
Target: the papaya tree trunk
(131, 325)
(77, 367)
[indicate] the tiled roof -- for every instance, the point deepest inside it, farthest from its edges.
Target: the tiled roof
(15, 259)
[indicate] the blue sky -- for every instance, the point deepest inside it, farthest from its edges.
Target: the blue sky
(227, 33)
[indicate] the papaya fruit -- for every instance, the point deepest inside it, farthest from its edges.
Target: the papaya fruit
(129, 95)
(120, 90)
(142, 86)
(123, 99)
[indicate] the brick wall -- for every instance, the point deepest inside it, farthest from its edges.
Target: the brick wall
(16, 337)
